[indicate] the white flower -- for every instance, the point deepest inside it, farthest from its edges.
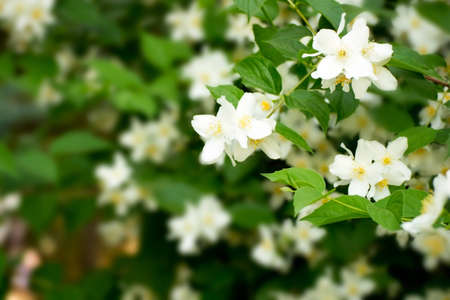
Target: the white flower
(435, 245)
(278, 196)
(424, 36)
(432, 206)
(324, 288)
(186, 229)
(112, 232)
(304, 235)
(113, 176)
(66, 60)
(122, 198)
(354, 286)
(10, 203)
(48, 95)
(240, 29)
(186, 24)
(274, 146)
(205, 221)
(394, 172)
(210, 68)
(436, 111)
(247, 122)
(183, 292)
(343, 55)
(358, 170)
(212, 217)
(216, 131)
(137, 291)
(266, 253)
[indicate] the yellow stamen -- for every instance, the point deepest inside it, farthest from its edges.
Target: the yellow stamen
(387, 160)
(265, 105)
(245, 121)
(359, 171)
(382, 184)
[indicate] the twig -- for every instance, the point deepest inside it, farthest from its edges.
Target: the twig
(302, 16)
(438, 81)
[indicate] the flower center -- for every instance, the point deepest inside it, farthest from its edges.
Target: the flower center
(342, 53)
(37, 14)
(359, 172)
(387, 160)
(431, 111)
(215, 128)
(435, 244)
(267, 245)
(341, 79)
(205, 78)
(245, 121)
(382, 184)
(255, 143)
(116, 198)
(265, 105)
(415, 22)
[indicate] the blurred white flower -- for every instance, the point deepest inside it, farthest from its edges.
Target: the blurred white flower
(434, 244)
(137, 292)
(240, 28)
(184, 292)
(423, 36)
(10, 203)
(202, 222)
(48, 95)
(432, 206)
(210, 68)
(186, 24)
(436, 112)
(303, 234)
(266, 252)
(354, 286)
(122, 198)
(115, 175)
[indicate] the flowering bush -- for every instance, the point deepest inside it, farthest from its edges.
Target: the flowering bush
(130, 164)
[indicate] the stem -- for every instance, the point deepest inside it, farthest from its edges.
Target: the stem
(438, 81)
(302, 16)
(267, 16)
(329, 193)
(283, 99)
(350, 206)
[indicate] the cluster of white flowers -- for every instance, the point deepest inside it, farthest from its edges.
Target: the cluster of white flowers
(48, 95)
(279, 244)
(186, 24)
(354, 285)
(373, 168)
(431, 294)
(118, 189)
(137, 291)
(423, 36)
(26, 19)
(210, 68)
(239, 131)
(152, 140)
(436, 113)
(119, 232)
(202, 222)
(368, 16)
(352, 59)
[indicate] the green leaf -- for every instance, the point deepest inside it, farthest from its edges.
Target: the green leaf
(418, 137)
(305, 196)
(344, 104)
(292, 136)
(392, 118)
(330, 9)
(258, 72)
(436, 12)
(78, 142)
(37, 165)
(161, 52)
(312, 103)
(231, 93)
(339, 209)
(412, 202)
(3, 264)
(7, 162)
(388, 211)
(134, 102)
(406, 58)
(172, 196)
(298, 177)
(250, 215)
(258, 8)
(38, 210)
(116, 75)
(280, 44)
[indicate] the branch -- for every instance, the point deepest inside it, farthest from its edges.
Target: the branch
(438, 81)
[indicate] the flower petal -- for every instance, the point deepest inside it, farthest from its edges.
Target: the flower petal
(329, 67)
(360, 87)
(342, 167)
(358, 37)
(327, 42)
(379, 53)
(385, 80)
(357, 66)
(397, 147)
(212, 151)
(358, 187)
(260, 129)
